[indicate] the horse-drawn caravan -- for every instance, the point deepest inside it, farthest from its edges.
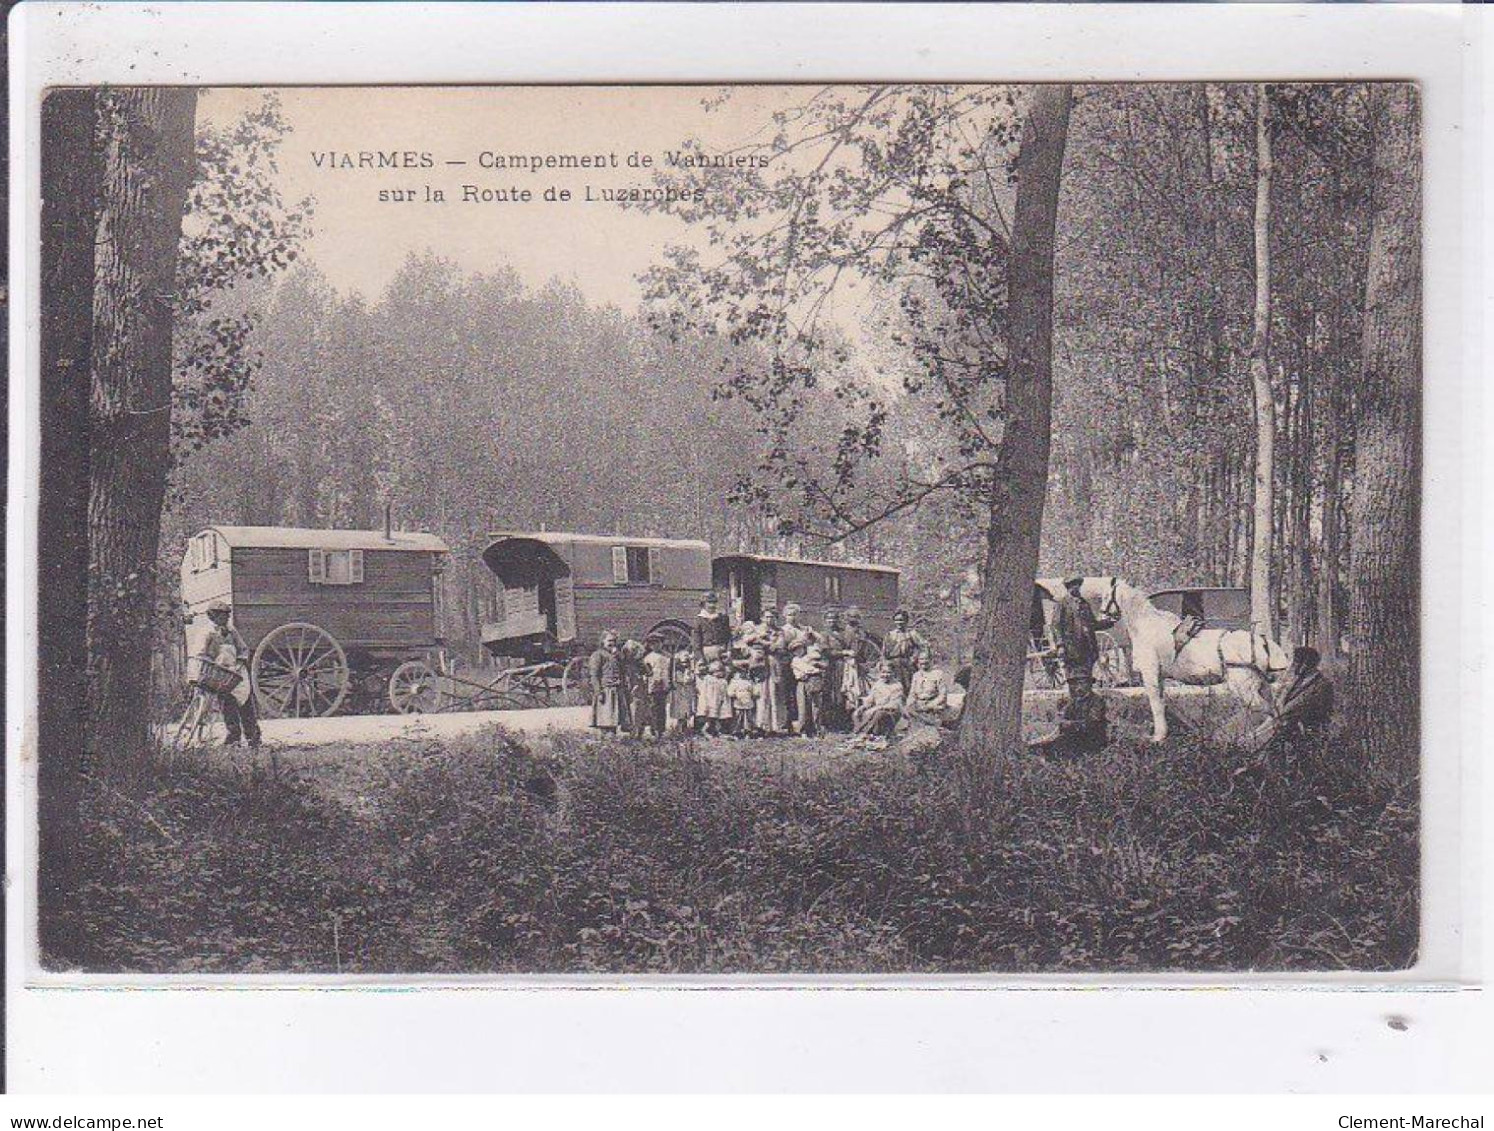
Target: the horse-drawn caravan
(331, 617)
(350, 620)
(556, 593)
(754, 582)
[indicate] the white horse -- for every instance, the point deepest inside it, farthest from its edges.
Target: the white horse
(1248, 662)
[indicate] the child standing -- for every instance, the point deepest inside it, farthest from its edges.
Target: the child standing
(743, 696)
(682, 691)
(713, 707)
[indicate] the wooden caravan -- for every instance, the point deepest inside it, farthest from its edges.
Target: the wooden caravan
(330, 616)
(752, 582)
(556, 593)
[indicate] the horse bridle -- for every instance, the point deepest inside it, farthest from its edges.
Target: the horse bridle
(1112, 609)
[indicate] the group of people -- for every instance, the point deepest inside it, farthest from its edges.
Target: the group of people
(778, 676)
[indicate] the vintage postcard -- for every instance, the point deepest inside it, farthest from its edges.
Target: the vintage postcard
(735, 530)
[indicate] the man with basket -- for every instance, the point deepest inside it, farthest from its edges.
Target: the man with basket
(223, 672)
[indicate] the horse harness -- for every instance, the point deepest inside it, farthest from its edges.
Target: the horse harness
(1264, 669)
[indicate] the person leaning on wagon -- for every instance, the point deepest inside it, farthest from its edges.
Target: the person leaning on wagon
(710, 636)
(1304, 705)
(901, 646)
(608, 702)
(225, 647)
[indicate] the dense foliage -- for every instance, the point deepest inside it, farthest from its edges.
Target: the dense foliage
(485, 855)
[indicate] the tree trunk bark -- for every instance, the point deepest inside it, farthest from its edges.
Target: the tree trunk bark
(70, 185)
(146, 137)
(992, 724)
(1384, 562)
(1260, 379)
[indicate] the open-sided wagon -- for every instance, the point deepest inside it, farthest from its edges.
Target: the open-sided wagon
(556, 593)
(335, 619)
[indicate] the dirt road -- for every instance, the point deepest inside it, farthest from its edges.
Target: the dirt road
(1193, 702)
(382, 728)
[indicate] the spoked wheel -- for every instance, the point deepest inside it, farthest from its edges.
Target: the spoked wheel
(672, 636)
(1043, 673)
(868, 654)
(299, 671)
(575, 683)
(414, 689)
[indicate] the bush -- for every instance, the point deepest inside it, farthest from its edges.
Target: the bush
(588, 856)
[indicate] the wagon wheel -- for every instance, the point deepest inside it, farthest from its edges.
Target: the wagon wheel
(672, 636)
(575, 683)
(300, 671)
(414, 689)
(1044, 672)
(868, 653)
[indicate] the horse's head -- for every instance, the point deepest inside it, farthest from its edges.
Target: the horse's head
(1102, 595)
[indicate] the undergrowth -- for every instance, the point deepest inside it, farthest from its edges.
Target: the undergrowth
(577, 855)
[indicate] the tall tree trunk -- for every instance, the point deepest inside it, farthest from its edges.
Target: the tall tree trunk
(992, 724)
(70, 186)
(1384, 577)
(1260, 378)
(1331, 542)
(147, 145)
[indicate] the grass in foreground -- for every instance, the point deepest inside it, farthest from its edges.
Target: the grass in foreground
(586, 856)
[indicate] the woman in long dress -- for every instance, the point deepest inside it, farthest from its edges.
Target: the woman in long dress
(609, 709)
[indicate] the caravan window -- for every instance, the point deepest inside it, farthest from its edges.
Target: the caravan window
(635, 565)
(832, 587)
(335, 567)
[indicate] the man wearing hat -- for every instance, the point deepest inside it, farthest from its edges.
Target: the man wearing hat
(900, 648)
(226, 648)
(1078, 648)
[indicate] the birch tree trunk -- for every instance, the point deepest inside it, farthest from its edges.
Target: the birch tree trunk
(992, 725)
(146, 137)
(70, 184)
(1260, 379)
(1384, 553)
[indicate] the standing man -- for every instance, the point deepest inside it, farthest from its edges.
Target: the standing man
(836, 644)
(653, 710)
(901, 648)
(1084, 713)
(225, 647)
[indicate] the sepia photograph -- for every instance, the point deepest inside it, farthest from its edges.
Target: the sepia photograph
(857, 530)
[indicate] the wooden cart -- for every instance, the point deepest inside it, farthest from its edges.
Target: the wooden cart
(335, 619)
(754, 582)
(555, 594)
